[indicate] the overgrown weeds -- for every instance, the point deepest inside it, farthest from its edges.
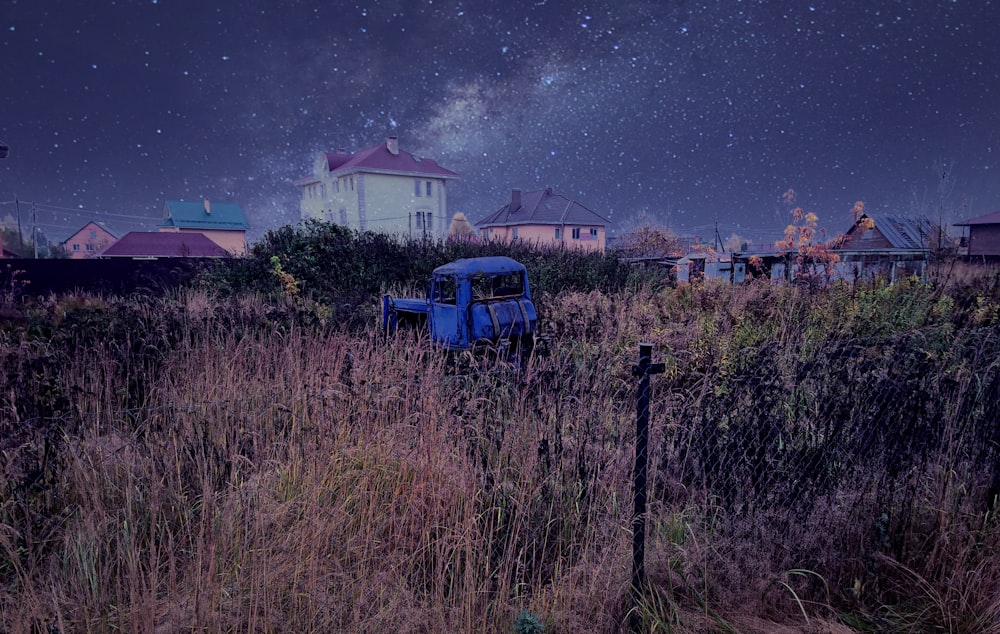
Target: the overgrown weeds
(820, 461)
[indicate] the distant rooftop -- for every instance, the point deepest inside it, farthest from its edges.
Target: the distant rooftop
(988, 219)
(543, 207)
(163, 244)
(384, 158)
(205, 215)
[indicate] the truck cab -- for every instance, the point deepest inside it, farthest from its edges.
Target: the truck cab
(470, 301)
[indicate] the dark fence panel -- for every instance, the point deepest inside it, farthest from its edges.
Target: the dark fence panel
(23, 278)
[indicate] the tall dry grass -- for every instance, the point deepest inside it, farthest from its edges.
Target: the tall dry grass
(263, 476)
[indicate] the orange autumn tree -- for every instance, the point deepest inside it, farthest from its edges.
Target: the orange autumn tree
(803, 246)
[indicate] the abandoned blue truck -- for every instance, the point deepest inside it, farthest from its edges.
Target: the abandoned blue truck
(470, 302)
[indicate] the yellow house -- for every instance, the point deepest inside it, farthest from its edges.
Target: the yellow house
(544, 217)
(223, 223)
(381, 188)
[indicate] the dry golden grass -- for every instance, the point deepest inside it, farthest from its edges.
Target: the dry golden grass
(293, 480)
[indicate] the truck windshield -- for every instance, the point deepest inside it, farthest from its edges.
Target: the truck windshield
(494, 286)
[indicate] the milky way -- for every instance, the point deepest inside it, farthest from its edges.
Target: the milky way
(689, 113)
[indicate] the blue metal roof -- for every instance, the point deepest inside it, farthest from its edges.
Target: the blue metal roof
(490, 265)
(204, 215)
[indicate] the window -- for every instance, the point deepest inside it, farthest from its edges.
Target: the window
(593, 233)
(76, 247)
(576, 233)
(513, 233)
(429, 189)
(93, 234)
(343, 216)
(416, 188)
(90, 247)
(444, 290)
(558, 233)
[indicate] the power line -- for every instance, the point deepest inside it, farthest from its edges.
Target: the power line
(48, 207)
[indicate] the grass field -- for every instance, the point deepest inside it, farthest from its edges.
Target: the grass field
(820, 461)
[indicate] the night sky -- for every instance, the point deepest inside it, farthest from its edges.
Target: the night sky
(691, 113)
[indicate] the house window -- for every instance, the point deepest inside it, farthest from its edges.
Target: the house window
(429, 189)
(424, 221)
(513, 233)
(416, 188)
(76, 247)
(343, 216)
(593, 233)
(93, 235)
(90, 247)
(576, 233)
(352, 183)
(558, 233)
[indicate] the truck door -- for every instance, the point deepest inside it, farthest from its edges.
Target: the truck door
(444, 322)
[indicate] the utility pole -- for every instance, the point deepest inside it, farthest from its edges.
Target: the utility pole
(20, 236)
(34, 229)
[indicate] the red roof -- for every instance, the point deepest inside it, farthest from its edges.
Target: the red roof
(380, 159)
(163, 244)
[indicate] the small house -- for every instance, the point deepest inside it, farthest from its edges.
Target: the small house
(544, 217)
(87, 240)
(982, 239)
(223, 223)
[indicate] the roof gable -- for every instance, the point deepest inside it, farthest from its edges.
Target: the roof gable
(90, 226)
(541, 207)
(385, 158)
(146, 244)
(204, 215)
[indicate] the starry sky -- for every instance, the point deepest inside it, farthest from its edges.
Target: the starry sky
(680, 113)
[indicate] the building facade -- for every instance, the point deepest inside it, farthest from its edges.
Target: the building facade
(87, 241)
(544, 217)
(381, 188)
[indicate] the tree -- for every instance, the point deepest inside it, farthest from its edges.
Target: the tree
(802, 245)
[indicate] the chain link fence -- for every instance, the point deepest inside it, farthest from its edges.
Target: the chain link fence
(782, 425)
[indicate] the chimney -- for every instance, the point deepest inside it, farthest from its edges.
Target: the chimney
(515, 200)
(392, 143)
(208, 207)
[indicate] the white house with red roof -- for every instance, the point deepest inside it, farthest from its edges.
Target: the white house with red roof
(381, 188)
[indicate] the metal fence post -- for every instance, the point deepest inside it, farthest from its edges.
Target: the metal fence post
(643, 371)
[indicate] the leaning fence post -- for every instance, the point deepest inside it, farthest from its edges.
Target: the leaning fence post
(643, 371)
